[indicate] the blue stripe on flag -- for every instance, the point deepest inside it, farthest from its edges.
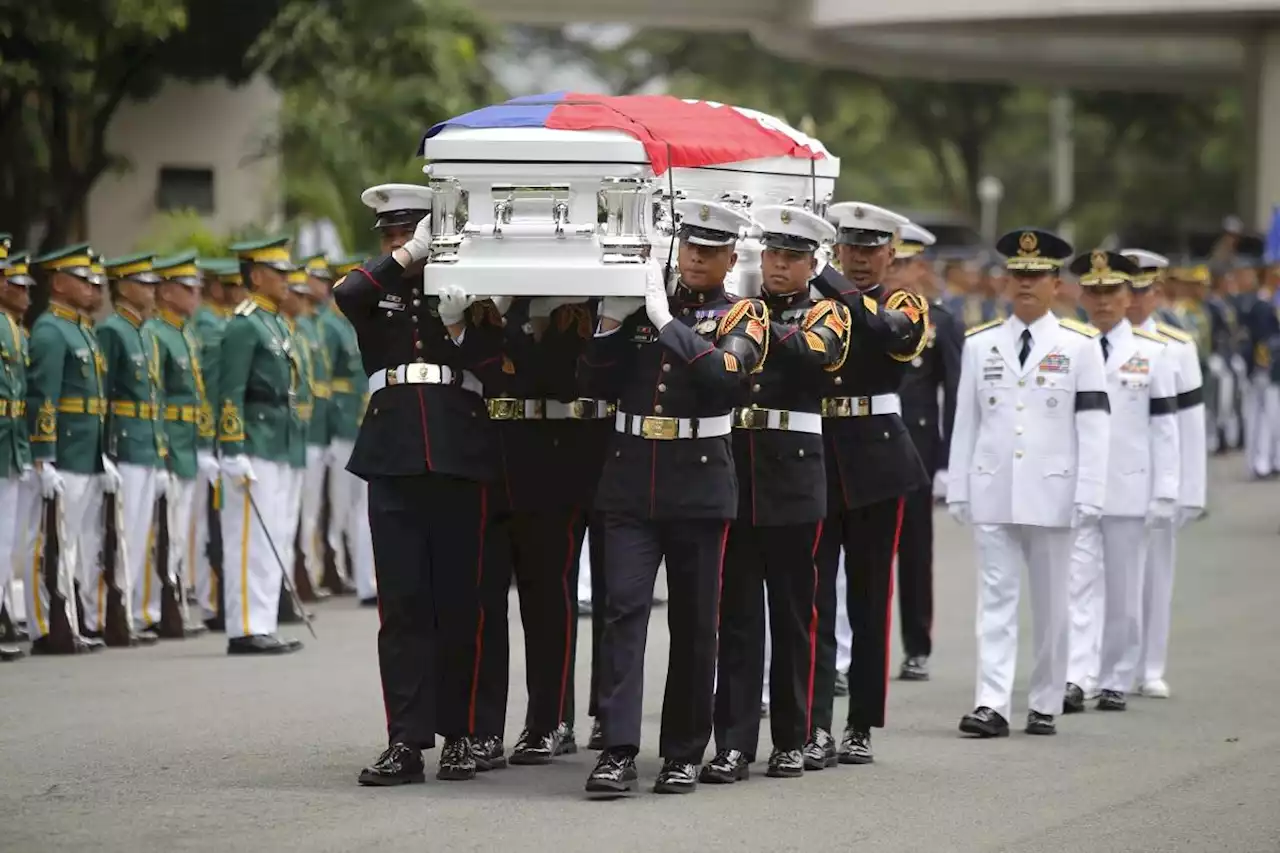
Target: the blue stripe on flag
(525, 111)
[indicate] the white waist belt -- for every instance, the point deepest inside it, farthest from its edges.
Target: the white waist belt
(856, 407)
(660, 428)
(778, 419)
(421, 373)
(583, 409)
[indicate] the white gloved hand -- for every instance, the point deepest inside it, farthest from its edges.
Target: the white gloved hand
(1162, 512)
(959, 511)
(619, 308)
(419, 245)
(1085, 514)
(656, 300)
(238, 468)
(541, 307)
(454, 302)
(1188, 514)
(162, 484)
(51, 482)
(25, 475)
(111, 479)
(208, 464)
(940, 485)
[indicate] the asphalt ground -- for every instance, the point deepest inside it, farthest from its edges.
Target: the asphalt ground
(180, 748)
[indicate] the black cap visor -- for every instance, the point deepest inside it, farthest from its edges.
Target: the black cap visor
(789, 242)
(698, 236)
(395, 218)
(864, 237)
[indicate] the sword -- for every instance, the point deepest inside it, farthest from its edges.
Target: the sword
(121, 574)
(288, 581)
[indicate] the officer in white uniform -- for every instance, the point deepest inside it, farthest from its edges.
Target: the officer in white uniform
(1157, 587)
(1028, 462)
(1107, 563)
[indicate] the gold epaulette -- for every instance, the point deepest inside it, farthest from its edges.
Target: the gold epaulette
(756, 315)
(245, 308)
(916, 308)
(1151, 336)
(1174, 332)
(982, 327)
(1078, 327)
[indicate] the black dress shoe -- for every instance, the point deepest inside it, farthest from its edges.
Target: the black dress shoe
(567, 741)
(372, 601)
(984, 722)
(399, 764)
(820, 751)
(1111, 700)
(293, 643)
(676, 777)
(842, 684)
(216, 625)
(915, 668)
(1040, 724)
(786, 764)
(729, 766)
(614, 773)
(596, 741)
(1073, 699)
(8, 653)
(489, 753)
(855, 747)
(257, 644)
(535, 748)
(457, 760)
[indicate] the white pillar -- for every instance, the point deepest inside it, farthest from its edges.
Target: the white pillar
(1264, 66)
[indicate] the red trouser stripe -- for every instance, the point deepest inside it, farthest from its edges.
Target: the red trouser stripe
(813, 631)
(888, 599)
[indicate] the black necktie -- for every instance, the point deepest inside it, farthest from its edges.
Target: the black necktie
(1026, 347)
(1106, 349)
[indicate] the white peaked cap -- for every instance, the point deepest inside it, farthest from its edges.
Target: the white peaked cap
(397, 204)
(1146, 260)
(789, 227)
(707, 223)
(865, 224)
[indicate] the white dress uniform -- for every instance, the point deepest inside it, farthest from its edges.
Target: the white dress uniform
(1107, 565)
(1028, 456)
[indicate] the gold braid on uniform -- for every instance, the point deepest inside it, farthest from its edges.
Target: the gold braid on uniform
(485, 312)
(756, 314)
(916, 308)
(832, 315)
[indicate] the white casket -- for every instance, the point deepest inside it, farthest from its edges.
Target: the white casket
(556, 212)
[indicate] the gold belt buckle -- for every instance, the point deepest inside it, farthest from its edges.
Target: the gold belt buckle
(393, 378)
(745, 418)
(504, 408)
(578, 408)
(661, 429)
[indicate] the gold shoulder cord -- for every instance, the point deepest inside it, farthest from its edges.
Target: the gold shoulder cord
(835, 316)
(915, 307)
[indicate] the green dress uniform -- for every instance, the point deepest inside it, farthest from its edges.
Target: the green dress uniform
(311, 345)
(207, 326)
(15, 448)
(348, 517)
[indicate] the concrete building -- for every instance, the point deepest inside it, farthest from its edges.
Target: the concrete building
(1092, 44)
(195, 146)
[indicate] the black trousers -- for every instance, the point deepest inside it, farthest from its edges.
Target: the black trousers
(869, 535)
(493, 668)
(915, 573)
(429, 535)
(783, 558)
(633, 550)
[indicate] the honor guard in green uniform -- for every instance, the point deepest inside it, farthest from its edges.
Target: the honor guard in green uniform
(257, 425)
(15, 449)
(134, 434)
(66, 407)
(348, 494)
(295, 309)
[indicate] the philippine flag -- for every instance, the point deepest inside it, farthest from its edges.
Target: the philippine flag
(674, 132)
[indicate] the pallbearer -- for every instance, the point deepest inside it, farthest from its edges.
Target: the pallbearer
(256, 412)
(782, 499)
(15, 447)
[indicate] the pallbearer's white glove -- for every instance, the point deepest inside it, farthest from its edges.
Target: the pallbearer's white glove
(238, 468)
(1188, 514)
(111, 479)
(454, 302)
(51, 482)
(619, 308)
(1085, 514)
(656, 301)
(419, 244)
(25, 476)
(959, 511)
(1162, 513)
(208, 465)
(940, 485)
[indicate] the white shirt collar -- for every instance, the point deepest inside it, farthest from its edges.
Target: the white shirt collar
(1038, 328)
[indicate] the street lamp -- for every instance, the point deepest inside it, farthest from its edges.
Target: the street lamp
(990, 191)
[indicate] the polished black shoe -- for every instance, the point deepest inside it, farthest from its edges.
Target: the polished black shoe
(489, 752)
(567, 741)
(786, 764)
(1040, 724)
(596, 741)
(8, 653)
(293, 644)
(535, 748)
(457, 760)
(842, 684)
(614, 773)
(372, 601)
(258, 644)
(915, 668)
(216, 625)
(855, 747)
(1073, 699)
(676, 777)
(1111, 700)
(400, 764)
(984, 722)
(729, 766)
(820, 751)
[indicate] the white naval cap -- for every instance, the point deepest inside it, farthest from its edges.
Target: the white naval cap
(863, 224)
(706, 223)
(397, 204)
(1149, 265)
(912, 240)
(794, 228)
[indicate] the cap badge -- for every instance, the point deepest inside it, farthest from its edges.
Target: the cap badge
(785, 216)
(382, 196)
(1028, 242)
(704, 213)
(1099, 261)
(858, 213)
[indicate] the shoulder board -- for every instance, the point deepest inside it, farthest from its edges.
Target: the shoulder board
(982, 327)
(1078, 327)
(1174, 332)
(1151, 336)
(245, 308)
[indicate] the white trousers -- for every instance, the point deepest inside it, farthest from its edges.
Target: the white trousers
(342, 497)
(360, 537)
(312, 497)
(10, 501)
(79, 557)
(1003, 551)
(1107, 568)
(1157, 602)
(844, 632)
(138, 507)
(295, 480)
(180, 501)
(252, 574)
(199, 569)
(1260, 428)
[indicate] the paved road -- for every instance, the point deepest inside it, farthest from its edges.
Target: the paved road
(180, 748)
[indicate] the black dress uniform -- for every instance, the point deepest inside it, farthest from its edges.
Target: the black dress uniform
(782, 500)
(668, 489)
(871, 466)
(936, 368)
(428, 452)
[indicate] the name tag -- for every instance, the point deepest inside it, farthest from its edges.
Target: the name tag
(644, 335)
(395, 305)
